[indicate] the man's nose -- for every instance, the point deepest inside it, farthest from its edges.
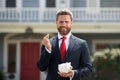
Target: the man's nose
(63, 24)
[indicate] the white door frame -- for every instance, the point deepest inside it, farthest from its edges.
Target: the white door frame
(5, 61)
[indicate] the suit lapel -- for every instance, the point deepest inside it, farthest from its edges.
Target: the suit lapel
(56, 46)
(70, 47)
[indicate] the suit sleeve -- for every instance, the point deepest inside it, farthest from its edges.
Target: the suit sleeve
(85, 63)
(43, 62)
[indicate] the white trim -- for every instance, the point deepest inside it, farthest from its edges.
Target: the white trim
(110, 41)
(4, 3)
(93, 6)
(5, 55)
(18, 60)
(93, 3)
(42, 4)
(41, 9)
(19, 4)
(1, 3)
(62, 3)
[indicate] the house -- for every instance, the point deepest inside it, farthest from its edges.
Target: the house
(23, 23)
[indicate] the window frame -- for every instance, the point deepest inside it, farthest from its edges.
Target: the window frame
(103, 41)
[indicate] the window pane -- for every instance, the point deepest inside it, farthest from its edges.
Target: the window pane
(78, 3)
(101, 46)
(50, 3)
(10, 3)
(12, 58)
(31, 3)
(110, 3)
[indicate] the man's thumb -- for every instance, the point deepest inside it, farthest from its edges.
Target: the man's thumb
(47, 36)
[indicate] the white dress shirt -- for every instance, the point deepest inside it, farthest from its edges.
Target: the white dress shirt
(66, 41)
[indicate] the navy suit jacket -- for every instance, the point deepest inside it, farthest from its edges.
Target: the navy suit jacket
(78, 54)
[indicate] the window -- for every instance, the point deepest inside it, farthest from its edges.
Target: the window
(78, 3)
(50, 3)
(110, 3)
(103, 44)
(30, 3)
(11, 3)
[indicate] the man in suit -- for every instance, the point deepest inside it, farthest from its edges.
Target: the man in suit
(76, 51)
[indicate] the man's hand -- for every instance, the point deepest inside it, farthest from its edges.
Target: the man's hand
(46, 42)
(69, 74)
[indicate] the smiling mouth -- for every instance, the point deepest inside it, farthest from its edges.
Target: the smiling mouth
(63, 29)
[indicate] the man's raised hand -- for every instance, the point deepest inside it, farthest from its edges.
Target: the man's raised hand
(46, 42)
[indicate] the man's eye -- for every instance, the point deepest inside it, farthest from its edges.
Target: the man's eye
(66, 22)
(61, 21)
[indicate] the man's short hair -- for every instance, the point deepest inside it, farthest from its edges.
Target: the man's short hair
(64, 12)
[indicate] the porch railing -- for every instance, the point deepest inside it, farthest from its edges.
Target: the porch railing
(36, 15)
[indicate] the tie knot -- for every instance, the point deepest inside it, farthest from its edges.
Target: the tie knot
(63, 38)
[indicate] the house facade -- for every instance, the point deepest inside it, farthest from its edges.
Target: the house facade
(23, 23)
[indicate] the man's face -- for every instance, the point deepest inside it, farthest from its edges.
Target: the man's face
(64, 24)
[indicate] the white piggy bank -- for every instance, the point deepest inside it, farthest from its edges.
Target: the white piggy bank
(64, 67)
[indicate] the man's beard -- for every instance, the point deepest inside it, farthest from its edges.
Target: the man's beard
(64, 31)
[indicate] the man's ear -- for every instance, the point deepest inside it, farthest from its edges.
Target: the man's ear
(72, 22)
(56, 21)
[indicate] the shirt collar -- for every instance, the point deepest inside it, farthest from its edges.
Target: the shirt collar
(68, 35)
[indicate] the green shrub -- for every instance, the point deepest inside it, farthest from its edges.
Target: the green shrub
(107, 64)
(1, 76)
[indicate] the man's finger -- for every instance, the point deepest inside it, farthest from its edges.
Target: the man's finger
(47, 36)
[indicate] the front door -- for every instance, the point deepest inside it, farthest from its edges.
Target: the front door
(29, 55)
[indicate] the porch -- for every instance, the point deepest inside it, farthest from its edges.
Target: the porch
(39, 15)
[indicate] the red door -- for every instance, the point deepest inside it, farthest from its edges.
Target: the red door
(29, 55)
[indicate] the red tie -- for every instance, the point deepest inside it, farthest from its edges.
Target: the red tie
(63, 48)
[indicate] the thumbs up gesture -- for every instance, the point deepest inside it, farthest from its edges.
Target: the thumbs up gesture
(46, 42)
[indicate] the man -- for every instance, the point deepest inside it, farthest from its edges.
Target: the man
(75, 51)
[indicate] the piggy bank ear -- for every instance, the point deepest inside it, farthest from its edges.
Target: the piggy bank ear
(68, 63)
(70, 66)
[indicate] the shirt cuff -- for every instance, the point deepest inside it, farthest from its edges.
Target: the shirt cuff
(72, 76)
(47, 50)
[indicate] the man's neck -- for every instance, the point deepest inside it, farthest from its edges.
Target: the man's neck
(68, 35)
